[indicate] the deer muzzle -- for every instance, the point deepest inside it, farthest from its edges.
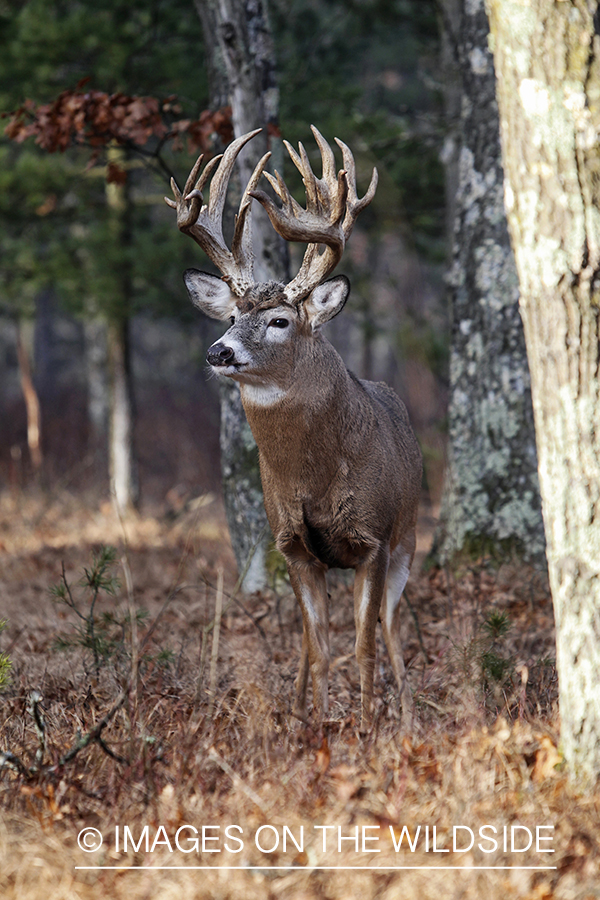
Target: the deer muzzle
(220, 355)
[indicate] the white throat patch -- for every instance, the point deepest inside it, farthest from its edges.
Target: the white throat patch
(262, 394)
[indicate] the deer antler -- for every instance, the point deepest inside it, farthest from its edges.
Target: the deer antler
(204, 223)
(332, 207)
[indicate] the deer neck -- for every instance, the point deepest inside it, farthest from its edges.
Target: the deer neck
(298, 419)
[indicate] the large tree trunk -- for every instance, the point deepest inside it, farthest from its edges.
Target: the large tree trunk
(491, 503)
(242, 72)
(547, 57)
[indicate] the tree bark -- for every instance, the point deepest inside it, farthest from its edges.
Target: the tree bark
(95, 335)
(242, 490)
(547, 57)
(491, 502)
(242, 72)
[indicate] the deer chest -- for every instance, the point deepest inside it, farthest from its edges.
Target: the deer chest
(333, 540)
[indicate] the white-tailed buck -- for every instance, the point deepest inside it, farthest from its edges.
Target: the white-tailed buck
(340, 465)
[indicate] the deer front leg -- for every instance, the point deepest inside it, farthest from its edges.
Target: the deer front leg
(368, 592)
(308, 582)
(399, 568)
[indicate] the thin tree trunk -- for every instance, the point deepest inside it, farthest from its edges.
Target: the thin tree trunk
(547, 58)
(242, 72)
(491, 503)
(32, 403)
(123, 480)
(122, 457)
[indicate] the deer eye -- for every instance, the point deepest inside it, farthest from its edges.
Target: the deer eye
(232, 320)
(278, 323)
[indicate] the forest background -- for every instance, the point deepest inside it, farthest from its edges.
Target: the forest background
(368, 73)
(186, 718)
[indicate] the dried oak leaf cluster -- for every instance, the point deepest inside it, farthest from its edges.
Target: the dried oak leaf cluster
(95, 118)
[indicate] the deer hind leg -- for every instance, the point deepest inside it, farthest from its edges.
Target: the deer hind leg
(310, 588)
(399, 568)
(300, 708)
(368, 592)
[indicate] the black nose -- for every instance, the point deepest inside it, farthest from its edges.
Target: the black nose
(220, 355)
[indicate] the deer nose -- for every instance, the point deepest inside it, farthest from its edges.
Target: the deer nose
(220, 355)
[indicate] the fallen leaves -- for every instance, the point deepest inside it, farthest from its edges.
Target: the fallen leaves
(546, 760)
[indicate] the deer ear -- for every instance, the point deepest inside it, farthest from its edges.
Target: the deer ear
(209, 293)
(327, 300)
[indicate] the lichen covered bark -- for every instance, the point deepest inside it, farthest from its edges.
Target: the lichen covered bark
(547, 57)
(242, 489)
(491, 498)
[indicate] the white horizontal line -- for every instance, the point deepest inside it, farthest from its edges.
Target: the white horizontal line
(329, 868)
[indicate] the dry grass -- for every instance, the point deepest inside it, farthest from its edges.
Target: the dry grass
(480, 752)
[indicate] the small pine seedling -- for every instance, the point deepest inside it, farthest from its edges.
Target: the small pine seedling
(94, 632)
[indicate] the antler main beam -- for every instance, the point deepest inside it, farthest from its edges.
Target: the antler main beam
(204, 223)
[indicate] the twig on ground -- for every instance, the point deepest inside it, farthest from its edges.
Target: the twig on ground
(104, 746)
(237, 781)
(134, 669)
(94, 733)
(10, 760)
(212, 690)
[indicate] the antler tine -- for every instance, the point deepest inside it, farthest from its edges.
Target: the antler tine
(293, 155)
(254, 179)
(327, 156)
(191, 179)
(220, 182)
(310, 180)
(196, 193)
(294, 223)
(198, 187)
(325, 200)
(355, 206)
(191, 182)
(241, 246)
(280, 188)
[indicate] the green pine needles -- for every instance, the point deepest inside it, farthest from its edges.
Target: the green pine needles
(102, 634)
(496, 666)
